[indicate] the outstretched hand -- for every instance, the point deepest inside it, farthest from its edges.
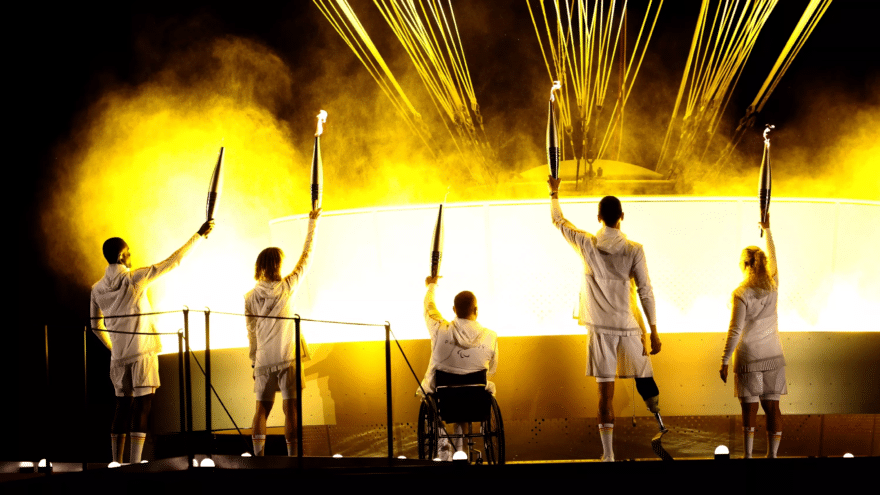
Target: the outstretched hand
(206, 228)
(315, 214)
(553, 184)
(431, 280)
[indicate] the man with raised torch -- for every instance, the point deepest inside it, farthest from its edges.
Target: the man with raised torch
(614, 267)
(134, 364)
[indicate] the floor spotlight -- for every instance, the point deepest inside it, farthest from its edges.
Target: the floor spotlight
(26, 467)
(246, 454)
(722, 452)
(337, 456)
(848, 455)
(460, 458)
(207, 462)
(44, 466)
(113, 464)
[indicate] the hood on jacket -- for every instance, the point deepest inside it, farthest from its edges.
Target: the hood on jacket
(113, 278)
(266, 289)
(467, 333)
(610, 240)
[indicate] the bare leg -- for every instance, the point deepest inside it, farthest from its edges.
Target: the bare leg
(606, 399)
(140, 412)
(259, 425)
(289, 406)
(774, 426)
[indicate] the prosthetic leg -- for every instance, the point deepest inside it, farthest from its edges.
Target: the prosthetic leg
(651, 394)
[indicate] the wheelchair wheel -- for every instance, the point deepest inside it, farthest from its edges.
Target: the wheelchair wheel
(493, 435)
(428, 426)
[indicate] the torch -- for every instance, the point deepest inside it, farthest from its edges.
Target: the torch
(317, 165)
(215, 188)
(437, 244)
(553, 135)
(765, 179)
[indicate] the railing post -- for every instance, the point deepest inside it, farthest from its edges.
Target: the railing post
(209, 424)
(299, 388)
(45, 437)
(188, 378)
(181, 396)
(85, 443)
(388, 390)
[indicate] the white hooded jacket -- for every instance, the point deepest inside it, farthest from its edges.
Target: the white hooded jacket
(754, 320)
(271, 340)
(462, 346)
(124, 292)
(614, 271)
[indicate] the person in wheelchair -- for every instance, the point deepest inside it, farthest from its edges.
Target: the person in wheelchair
(460, 347)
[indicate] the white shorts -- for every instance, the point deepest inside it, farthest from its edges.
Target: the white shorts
(282, 380)
(763, 385)
(610, 355)
(137, 378)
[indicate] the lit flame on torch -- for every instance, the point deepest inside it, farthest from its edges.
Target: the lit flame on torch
(556, 85)
(322, 118)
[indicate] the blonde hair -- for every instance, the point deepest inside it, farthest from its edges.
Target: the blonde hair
(754, 263)
(268, 265)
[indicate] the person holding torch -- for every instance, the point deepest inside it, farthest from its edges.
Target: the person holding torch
(271, 340)
(754, 345)
(614, 267)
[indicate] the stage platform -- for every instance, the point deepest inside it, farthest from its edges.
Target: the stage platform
(235, 472)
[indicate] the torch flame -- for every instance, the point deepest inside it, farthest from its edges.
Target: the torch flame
(322, 117)
(556, 85)
(767, 131)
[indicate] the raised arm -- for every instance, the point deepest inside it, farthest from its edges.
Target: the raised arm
(433, 319)
(571, 233)
(303, 264)
(772, 270)
(98, 323)
(143, 277)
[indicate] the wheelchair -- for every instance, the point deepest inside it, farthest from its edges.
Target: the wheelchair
(461, 399)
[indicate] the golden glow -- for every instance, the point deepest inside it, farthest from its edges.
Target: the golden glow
(137, 163)
(370, 264)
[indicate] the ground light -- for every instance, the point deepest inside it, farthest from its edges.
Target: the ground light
(460, 458)
(337, 456)
(722, 452)
(848, 455)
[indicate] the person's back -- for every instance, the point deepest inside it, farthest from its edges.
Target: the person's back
(274, 336)
(611, 264)
(461, 346)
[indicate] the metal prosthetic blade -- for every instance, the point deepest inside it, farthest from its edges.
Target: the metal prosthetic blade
(657, 446)
(657, 441)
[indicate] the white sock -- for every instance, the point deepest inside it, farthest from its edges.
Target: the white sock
(137, 446)
(606, 432)
(259, 444)
(748, 441)
(773, 443)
